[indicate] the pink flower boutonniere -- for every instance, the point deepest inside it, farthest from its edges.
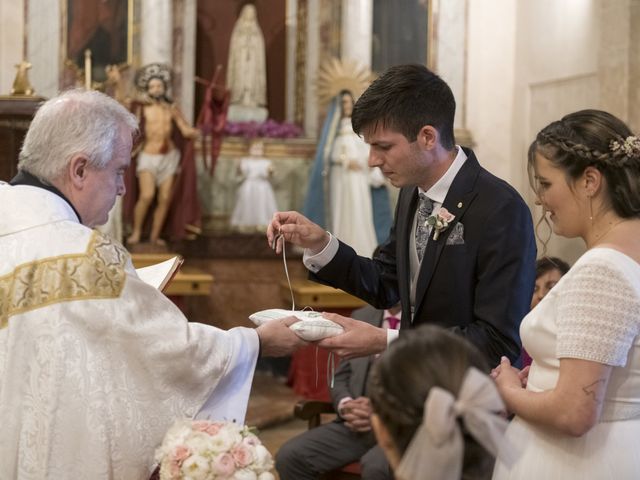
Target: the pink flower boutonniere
(440, 221)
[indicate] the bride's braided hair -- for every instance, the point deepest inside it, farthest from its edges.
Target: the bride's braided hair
(598, 139)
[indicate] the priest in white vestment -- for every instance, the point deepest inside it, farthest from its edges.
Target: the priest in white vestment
(95, 364)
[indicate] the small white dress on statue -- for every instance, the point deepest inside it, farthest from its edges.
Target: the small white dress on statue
(351, 212)
(255, 201)
(593, 313)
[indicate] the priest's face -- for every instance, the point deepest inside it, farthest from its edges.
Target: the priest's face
(103, 185)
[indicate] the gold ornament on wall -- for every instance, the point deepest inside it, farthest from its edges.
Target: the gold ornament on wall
(337, 75)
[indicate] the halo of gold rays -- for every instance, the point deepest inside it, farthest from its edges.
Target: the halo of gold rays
(336, 75)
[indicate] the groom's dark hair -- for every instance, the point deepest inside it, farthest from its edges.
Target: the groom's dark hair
(405, 98)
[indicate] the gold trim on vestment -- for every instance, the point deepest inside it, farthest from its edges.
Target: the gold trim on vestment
(97, 273)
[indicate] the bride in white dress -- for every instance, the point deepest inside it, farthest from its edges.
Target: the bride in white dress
(578, 411)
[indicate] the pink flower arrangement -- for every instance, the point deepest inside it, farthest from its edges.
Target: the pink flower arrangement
(267, 129)
(440, 221)
(202, 450)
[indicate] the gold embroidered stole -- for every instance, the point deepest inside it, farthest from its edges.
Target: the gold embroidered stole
(97, 273)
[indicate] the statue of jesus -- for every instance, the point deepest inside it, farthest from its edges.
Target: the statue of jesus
(159, 159)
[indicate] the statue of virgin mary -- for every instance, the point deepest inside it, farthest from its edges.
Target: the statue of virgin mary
(246, 69)
(344, 195)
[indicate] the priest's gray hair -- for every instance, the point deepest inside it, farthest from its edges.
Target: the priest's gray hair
(76, 122)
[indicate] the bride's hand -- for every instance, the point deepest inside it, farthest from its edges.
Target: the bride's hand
(507, 376)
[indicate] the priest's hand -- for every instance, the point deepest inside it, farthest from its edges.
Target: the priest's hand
(358, 340)
(297, 229)
(277, 339)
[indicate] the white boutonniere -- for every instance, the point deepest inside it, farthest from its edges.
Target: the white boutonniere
(440, 221)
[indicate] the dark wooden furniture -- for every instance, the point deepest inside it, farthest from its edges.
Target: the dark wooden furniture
(16, 113)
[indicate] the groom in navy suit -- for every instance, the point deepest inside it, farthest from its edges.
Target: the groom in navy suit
(461, 253)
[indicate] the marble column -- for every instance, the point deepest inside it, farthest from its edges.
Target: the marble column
(291, 22)
(188, 60)
(449, 50)
(43, 46)
(312, 60)
(156, 31)
(357, 28)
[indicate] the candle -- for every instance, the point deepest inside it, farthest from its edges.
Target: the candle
(87, 69)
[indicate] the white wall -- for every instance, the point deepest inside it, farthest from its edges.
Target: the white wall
(530, 62)
(490, 81)
(11, 41)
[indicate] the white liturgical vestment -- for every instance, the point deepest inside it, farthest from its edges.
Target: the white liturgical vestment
(95, 365)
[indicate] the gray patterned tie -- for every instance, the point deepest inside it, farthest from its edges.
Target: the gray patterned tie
(425, 207)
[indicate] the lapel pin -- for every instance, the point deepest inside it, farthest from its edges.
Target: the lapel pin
(459, 204)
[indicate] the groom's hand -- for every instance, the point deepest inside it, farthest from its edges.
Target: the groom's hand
(358, 340)
(297, 229)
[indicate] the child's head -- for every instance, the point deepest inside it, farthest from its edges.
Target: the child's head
(256, 148)
(403, 382)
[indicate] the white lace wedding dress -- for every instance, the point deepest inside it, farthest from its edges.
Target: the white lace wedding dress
(593, 313)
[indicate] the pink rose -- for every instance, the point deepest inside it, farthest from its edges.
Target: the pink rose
(223, 465)
(200, 425)
(213, 429)
(445, 215)
(242, 455)
(180, 453)
(176, 457)
(174, 469)
(207, 427)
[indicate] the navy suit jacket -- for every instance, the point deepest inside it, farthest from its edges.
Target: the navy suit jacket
(480, 289)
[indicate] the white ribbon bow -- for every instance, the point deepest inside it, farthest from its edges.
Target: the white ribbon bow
(436, 450)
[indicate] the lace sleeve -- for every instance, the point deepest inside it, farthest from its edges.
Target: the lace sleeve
(598, 314)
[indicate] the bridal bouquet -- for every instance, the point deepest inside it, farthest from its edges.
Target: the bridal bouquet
(203, 450)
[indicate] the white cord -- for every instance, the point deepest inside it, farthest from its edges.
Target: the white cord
(331, 366)
(286, 270)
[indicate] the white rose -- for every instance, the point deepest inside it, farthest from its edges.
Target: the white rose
(244, 474)
(263, 460)
(178, 432)
(199, 442)
(266, 476)
(224, 440)
(196, 467)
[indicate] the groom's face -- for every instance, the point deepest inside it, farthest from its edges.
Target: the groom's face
(401, 161)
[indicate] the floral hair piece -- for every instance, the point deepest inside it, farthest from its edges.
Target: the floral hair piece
(630, 146)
